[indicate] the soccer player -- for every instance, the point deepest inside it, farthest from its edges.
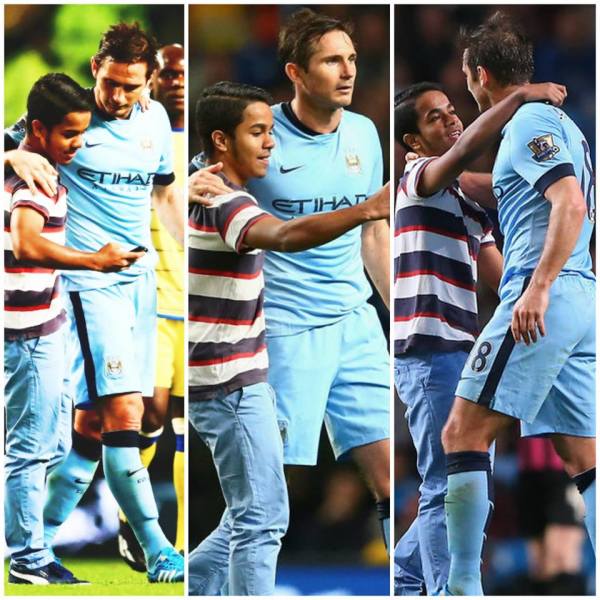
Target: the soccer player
(535, 360)
(168, 89)
(329, 360)
(125, 163)
(232, 407)
(443, 240)
(58, 113)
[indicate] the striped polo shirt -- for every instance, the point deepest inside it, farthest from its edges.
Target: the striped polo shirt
(227, 348)
(32, 302)
(436, 245)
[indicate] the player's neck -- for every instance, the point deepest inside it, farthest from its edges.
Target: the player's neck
(231, 175)
(317, 118)
(32, 144)
(498, 94)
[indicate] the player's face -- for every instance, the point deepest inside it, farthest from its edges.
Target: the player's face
(252, 143)
(62, 141)
(168, 81)
(438, 124)
(329, 78)
(119, 86)
(474, 86)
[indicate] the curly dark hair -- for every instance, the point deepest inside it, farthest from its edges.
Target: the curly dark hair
(501, 47)
(127, 43)
(301, 33)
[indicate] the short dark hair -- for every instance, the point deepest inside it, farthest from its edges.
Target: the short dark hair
(221, 107)
(126, 43)
(301, 33)
(500, 46)
(53, 96)
(405, 113)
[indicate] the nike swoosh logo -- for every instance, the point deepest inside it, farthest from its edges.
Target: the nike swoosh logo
(283, 171)
(130, 473)
(82, 481)
(88, 145)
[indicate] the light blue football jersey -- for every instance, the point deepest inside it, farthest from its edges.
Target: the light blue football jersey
(539, 146)
(110, 181)
(308, 174)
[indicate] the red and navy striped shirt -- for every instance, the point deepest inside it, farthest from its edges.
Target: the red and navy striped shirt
(436, 244)
(32, 301)
(227, 348)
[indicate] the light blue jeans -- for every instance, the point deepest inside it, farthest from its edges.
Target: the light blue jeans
(425, 383)
(38, 430)
(241, 553)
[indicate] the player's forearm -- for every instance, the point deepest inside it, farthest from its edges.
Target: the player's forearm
(475, 139)
(315, 230)
(43, 253)
(484, 131)
(564, 227)
(376, 256)
(489, 266)
(478, 187)
(168, 203)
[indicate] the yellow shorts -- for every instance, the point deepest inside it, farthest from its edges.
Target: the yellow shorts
(170, 361)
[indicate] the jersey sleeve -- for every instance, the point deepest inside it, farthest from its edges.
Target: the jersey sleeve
(487, 236)
(23, 198)
(15, 134)
(235, 217)
(410, 180)
(538, 149)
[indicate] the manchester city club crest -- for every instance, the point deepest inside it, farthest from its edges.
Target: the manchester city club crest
(146, 143)
(353, 161)
(114, 367)
(543, 147)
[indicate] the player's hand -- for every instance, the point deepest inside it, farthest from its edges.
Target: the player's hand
(528, 314)
(378, 205)
(33, 169)
(552, 92)
(111, 258)
(204, 184)
(410, 156)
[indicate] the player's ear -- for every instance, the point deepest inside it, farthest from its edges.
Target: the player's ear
(94, 66)
(219, 140)
(411, 140)
(482, 76)
(292, 71)
(38, 129)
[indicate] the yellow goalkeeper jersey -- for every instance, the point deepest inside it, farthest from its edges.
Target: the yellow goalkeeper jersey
(169, 269)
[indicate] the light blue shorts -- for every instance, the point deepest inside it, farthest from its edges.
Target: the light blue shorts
(548, 385)
(114, 334)
(339, 374)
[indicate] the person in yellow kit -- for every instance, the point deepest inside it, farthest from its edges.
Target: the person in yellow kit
(168, 88)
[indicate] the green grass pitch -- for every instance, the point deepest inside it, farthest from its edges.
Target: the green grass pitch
(107, 576)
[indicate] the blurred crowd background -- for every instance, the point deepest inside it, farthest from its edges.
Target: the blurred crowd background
(564, 52)
(62, 38)
(333, 544)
